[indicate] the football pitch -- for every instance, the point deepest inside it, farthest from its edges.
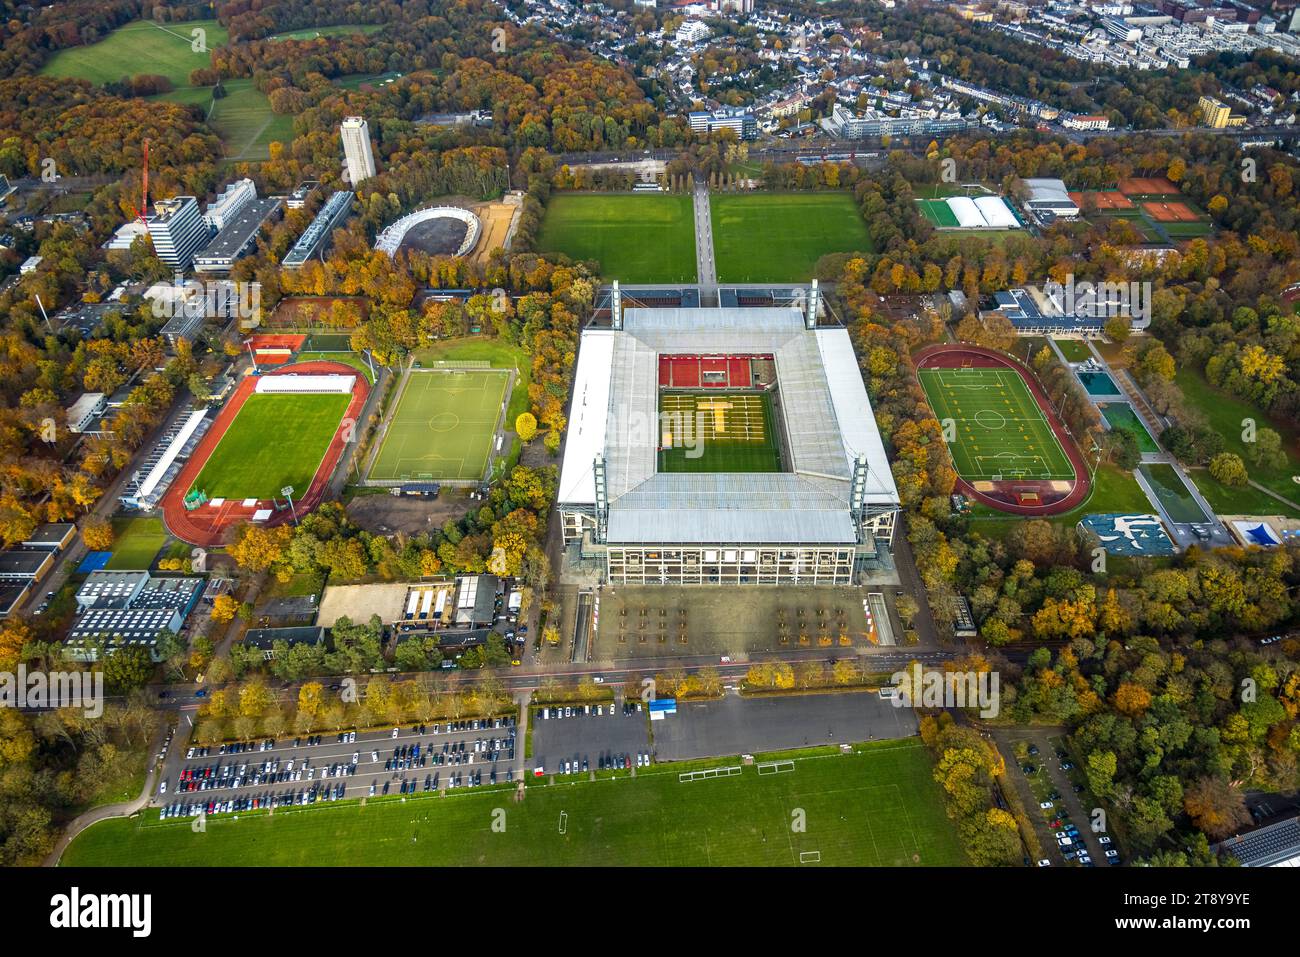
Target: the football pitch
(636, 238)
(778, 237)
(276, 440)
(999, 431)
(442, 427)
(877, 807)
(714, 431)
(938, 212)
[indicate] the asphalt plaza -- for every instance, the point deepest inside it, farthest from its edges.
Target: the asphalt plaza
(746, 725)
(588, 736)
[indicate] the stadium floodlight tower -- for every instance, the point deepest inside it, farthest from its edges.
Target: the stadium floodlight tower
(287, 492)
(615, 306)
(814, 303)
(602, 497)
(858, 491)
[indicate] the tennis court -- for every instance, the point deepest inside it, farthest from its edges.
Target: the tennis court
(717, 432)
(996, 429)
(443, 426)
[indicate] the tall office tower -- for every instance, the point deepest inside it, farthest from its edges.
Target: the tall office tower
(177, 230)
(356, 149)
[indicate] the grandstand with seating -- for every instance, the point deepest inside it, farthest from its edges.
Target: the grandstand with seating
(723, 445)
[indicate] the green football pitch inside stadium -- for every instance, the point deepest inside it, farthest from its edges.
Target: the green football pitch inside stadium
(714, 431)
(778, 237)
(276, 440)
(1000, 432)
(442, 427)
(876, 807)
(636, 238)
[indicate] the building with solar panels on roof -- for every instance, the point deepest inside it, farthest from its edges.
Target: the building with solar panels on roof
(731, 445)
(1277, 845)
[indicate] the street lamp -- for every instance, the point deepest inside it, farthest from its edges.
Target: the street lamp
(287, 492)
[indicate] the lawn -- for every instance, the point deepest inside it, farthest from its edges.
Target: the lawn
(1120, 415)
(1074, 350)
(999, 428)
(1173, 494)
(276, 440)
(713, 432)
(343, 29)
(877, 807)
(635, 238)
(442, 427)
(1238, 501)
(1227, 415)
(1113, 490)
(136, 543)
(140, 47)
(778, 237)
(242, 118)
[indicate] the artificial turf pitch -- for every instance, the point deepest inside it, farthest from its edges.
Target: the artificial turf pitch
(712, 431)
(877, 807)
(999, 430)
(276, 440)
(442, 427)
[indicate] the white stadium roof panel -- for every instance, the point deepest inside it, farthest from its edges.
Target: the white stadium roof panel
(827, 415)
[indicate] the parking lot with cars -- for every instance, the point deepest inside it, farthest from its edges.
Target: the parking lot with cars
(270, 773)
(571, 739)
(1062, 800)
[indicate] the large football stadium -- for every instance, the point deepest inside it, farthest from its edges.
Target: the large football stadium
(723, 445)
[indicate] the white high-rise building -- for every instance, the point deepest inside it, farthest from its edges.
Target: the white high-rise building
(356, 149)
(177, 230)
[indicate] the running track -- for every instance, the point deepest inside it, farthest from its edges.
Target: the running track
(948, 356)
(207, 526)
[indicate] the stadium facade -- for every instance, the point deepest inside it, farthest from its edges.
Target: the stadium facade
(825, 513)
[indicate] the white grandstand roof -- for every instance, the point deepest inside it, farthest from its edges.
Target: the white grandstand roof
(828, 421)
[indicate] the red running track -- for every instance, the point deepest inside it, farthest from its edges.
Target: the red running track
(207, 526)
(948, 356)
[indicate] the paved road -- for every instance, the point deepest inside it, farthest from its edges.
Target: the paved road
(705, 266)
(104, 812)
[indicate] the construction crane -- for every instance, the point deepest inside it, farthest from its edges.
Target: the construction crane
(144, 187)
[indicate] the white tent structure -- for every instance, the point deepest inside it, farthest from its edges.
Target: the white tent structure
(967, 213)
(995, 212)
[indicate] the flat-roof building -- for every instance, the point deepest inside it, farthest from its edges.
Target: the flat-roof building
(223, 210)
(316, 236)
(238, 238)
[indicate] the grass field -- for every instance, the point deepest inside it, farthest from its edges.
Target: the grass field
(140, 47)
(1173, 494)
(1000, 430)
(274, 441)
(778, 237)
(1120, 415)
(1074, 350)
(442, 427)
(1227, 415)
(502, 355)
(645, 238)
(136, 543)
(717, 432)
(877, 807)
(242, 118)
(343, 29)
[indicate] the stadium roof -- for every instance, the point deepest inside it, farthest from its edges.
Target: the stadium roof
(1277, 845)
(828, 421)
